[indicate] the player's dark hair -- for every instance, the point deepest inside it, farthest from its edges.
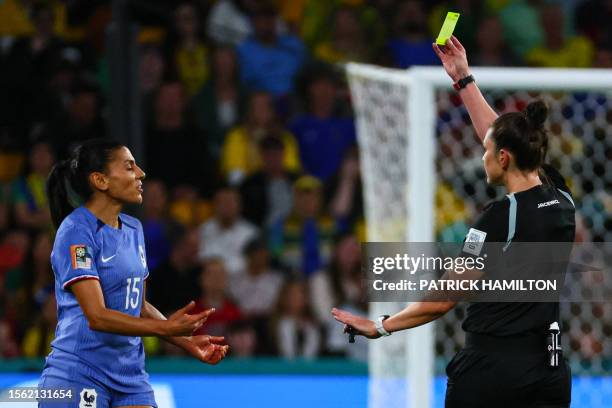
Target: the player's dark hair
(523, 134)
(68, 182)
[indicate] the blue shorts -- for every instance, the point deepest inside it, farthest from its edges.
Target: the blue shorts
(90, 393)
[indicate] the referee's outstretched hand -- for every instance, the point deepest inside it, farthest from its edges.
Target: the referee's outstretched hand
(181, 323)
(361, 325)
(454, 58)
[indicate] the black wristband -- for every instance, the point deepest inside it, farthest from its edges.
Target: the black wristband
(463, 82)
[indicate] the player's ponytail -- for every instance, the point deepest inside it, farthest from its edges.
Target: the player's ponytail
(57, 192)
(68, 183)
(524, 135)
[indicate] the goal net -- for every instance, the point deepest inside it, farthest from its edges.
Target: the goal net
(424, 181)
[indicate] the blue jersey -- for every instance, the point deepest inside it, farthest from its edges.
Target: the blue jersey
(86, 248)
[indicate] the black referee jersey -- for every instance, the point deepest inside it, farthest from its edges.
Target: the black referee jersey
(504, 362)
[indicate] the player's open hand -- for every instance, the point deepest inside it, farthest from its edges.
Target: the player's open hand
(361, 325)
(208, 349)
(454, 58)
(181, 323)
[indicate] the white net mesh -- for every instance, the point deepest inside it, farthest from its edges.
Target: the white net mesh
(381, 112)
(580, 126)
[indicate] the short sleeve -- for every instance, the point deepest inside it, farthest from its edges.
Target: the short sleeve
(490, 227)
(142, 250)
(74, 257)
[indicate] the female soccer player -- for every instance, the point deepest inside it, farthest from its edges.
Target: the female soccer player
(100, 270)
(504, 363)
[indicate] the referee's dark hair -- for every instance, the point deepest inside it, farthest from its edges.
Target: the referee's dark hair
(523, 134)
(71, 177)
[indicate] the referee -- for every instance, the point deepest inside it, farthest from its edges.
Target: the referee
(505, 362)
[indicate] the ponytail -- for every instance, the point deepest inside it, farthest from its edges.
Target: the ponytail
(57, 191)
(69, 179)
(523, 133)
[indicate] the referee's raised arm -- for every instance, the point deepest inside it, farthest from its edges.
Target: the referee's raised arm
(455, 62)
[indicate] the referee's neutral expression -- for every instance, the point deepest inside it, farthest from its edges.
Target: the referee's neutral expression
(122, 180)
(496, 161)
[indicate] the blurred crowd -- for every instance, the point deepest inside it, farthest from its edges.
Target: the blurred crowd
(253, 200)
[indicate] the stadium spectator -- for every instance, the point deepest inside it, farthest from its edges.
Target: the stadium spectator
(323, 136)
(592, 19)
(178, 274)
(242, 339)
(269, 190)
(559, 50)
(340, 284)
(38, 338)
(159, 230)
(302, 242)
(152, 69)
(190, 55)
(297, 333)
(36, 280)
(214, 294)
(228, 22)
(82, 121)
(240, 156)
(492, 50)
(270, 61)
(227, 233)
(256, 288)
(31, 58)
(8, 343)
(347, 42)
(220, 103)
(31, 208)
(411, 44)
(344, 192)
(521, 26)
(167, 158)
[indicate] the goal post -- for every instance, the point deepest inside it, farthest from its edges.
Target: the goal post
(400, 135)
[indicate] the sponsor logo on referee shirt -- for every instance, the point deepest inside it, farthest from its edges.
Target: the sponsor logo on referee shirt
(548, 203)
(89, 398)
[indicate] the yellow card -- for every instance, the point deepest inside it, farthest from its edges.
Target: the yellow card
(447, 28)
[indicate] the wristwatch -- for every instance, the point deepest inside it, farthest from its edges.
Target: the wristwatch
(378, 323)
(463, 82)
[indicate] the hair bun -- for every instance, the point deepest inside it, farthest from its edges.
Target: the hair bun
(536, 113)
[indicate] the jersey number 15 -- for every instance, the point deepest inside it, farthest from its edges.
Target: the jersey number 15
(132, 293)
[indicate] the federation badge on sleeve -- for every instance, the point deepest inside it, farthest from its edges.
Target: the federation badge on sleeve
(474, 241)
(81, 259)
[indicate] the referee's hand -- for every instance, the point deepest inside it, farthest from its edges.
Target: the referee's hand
(361, 325)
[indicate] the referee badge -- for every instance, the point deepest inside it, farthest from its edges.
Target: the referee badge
(88, 398)
(80, 256)
(474, 241)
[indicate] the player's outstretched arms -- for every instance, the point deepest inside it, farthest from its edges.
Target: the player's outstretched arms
(455, 62)
(207, 349)
(90, 298)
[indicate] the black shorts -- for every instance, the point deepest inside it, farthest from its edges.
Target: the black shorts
(479, 378)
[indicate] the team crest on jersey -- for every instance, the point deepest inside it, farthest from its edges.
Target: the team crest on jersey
(89, 398)
(81, 259)
(143, 258)
(474, 241)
